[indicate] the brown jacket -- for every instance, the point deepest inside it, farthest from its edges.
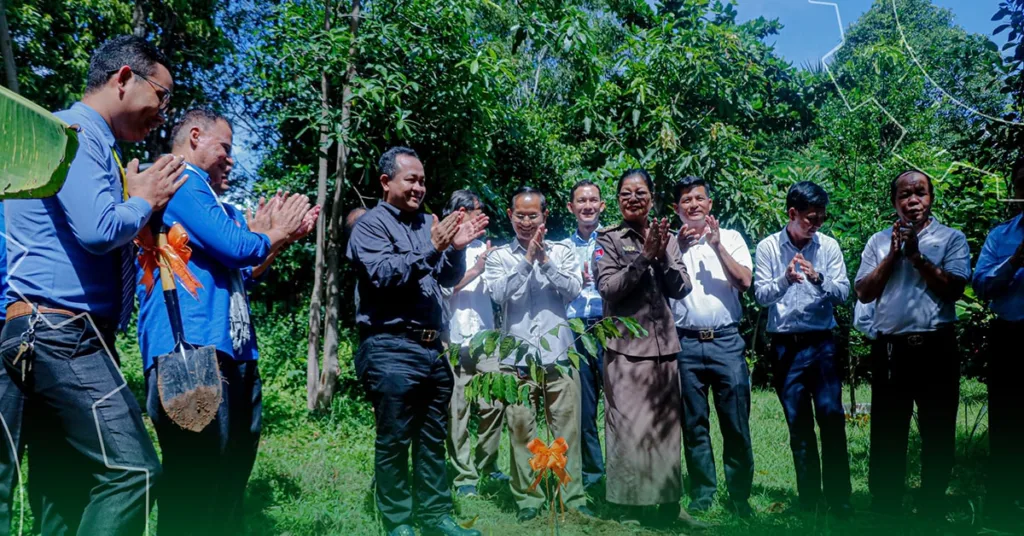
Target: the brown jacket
(633, 285)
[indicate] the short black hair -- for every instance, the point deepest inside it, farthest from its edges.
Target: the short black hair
(201, 116)
(895, 182)
(581, 184)
(135, 52)
(636, 172)
(806, 194)
(686, 183)
(523, 190)
(386, 164)
(462, 199)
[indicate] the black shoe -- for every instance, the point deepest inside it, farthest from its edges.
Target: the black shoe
(842, 512)
(586, 512)
(402, 530)
(700, 505)
(448, 527)
(527, 514)
(742, 509)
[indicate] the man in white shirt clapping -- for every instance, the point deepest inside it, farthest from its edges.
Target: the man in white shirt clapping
(711, 358)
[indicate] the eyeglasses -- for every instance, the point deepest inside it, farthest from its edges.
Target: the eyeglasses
(525, 217)
(165, 97)
(639, 196)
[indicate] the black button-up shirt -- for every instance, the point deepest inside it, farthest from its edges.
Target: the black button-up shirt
(400, 272)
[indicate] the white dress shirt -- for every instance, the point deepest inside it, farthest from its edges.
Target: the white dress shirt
(533, 296)
(907, 305)
(470, 308)
(804, 306)
(714, 302)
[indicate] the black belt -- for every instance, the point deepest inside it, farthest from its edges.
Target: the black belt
(804, 337)
(916, 339)
(416, 335)
(705, 335)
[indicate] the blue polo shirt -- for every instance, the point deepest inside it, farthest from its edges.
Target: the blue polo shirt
(66, 249)
(3, 262)
(221, 243)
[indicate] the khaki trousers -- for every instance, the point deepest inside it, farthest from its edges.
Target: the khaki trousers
(468, 468)
(562, 404)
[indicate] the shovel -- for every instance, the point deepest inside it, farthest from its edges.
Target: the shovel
(188, 378)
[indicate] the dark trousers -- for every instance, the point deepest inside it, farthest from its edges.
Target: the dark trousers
(12, 404)
(902, 373)
(410, 387)
(205, 473)
(1005, 407)
(806, 375)
(91, 455)
(591, 380)
(716, 365)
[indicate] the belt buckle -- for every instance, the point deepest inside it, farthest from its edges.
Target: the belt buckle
(915, 340)
(428, 335)
(706, 335)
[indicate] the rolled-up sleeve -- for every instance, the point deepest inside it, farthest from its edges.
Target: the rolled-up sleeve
(98, 218)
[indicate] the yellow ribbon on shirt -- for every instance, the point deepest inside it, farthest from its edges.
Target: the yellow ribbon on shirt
(124, 177)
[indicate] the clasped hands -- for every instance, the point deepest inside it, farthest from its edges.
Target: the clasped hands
(799, 268)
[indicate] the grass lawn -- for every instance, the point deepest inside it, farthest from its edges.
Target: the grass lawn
(313, 477)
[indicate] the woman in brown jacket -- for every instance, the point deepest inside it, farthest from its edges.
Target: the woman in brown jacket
(639, 269)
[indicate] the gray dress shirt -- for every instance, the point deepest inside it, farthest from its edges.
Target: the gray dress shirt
(533, 296)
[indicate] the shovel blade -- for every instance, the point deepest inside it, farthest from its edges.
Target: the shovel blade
(188, 381)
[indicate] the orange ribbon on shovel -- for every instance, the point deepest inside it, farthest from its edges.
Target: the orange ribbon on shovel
(547, 458)
(176, 253)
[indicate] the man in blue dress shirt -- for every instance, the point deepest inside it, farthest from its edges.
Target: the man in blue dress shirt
(224, 252)
(586, 205)
(800, 276)
(999, 280)
(402, 258)
(72, 288)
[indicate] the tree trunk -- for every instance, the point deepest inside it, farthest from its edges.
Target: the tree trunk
(10, 70)
(316, 301)
(139, 19)
(329, 376)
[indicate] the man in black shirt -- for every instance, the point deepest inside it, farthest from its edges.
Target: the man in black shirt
(402, 258)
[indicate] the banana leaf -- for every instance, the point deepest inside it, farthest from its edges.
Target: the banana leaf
(36, 149)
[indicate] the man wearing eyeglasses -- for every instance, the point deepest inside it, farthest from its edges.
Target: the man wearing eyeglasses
(72, 289)
(533, 280)
(800, 276)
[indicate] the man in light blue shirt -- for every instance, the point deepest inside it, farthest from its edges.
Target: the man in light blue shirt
(72, 285)
(224, 253)
(999, 280)
(800, 276)
(586, 205)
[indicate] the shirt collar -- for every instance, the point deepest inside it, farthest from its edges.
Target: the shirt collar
(933, 223)
(96, 120)
(197, 172)
(398, 213)
(784, 239)
(576, 238)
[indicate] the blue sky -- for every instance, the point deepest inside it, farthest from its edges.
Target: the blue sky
(811, 30)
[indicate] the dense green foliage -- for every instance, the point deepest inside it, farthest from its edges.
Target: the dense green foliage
(499, 93)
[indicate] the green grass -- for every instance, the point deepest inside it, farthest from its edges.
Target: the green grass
(313, 477)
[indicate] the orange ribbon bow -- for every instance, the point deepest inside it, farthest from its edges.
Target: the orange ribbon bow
(547, 458)
(176, 253)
